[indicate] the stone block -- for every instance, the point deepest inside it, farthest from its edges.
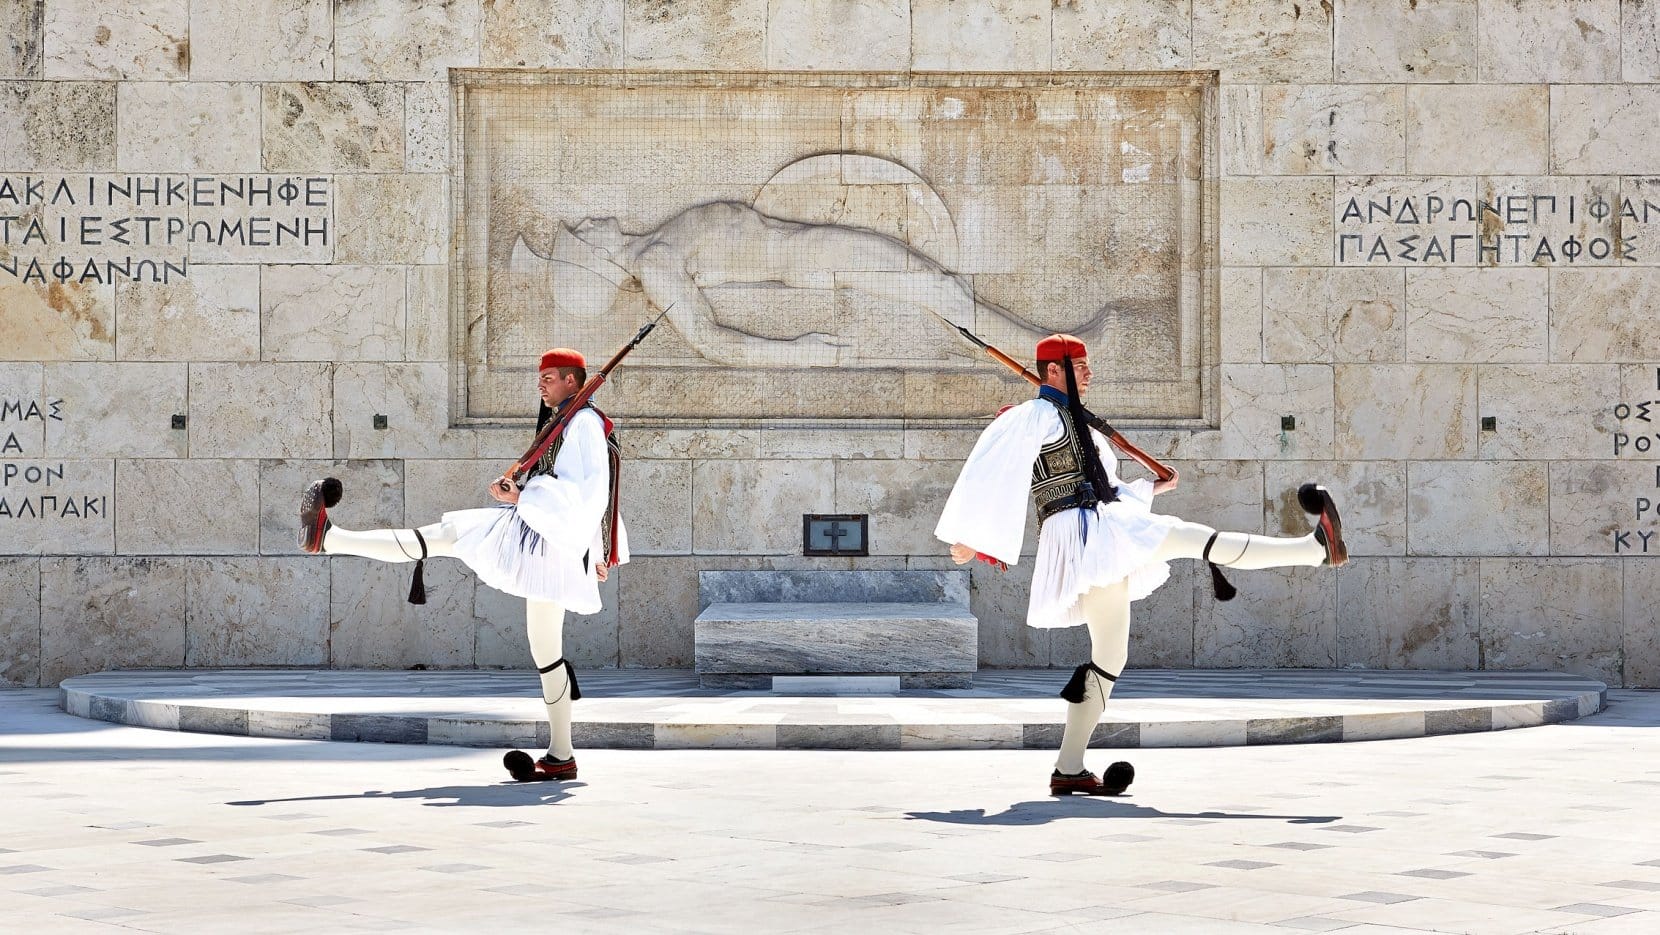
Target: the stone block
(256, 611)
(804, 34)
(404, 40)
(1641, 579)
(24, 410)
(1242, 322)
(792, 638)
(427, 127)
(135, 40)
(416, 402)
(801, 586)
(553, 34)
(940, 444)
(657, 506)
(392, 219)
(1333, 314)
(302, 231)
(756, 506)
(1403, 411)
(989, 35)
(110, 613)
(1252, 41)
(1481, 315)
(196, 126)
(587, 641)
(59, 127)
(432, 488)
(22, 24)
(1592, 501)
(211, 316)
(1310, 129)
(261, 410)
(332, 313)
(1255, 397)
(1366, 209)
(657, 600)
(1473, 508)
(1409, 613)
(1478, 129)
(1591, 318)
(999, 601)
(661, 34)
(1521, 231)
(1281, 618)
(1221, 494)
(372, 626)
(1133, 35)
(178, 506)
(1556, 411)
(1161, 624)
(334, 126)
(1404, 40)
(117, 410)
(1604, 129)
(1549, 40)
(57, 507)
(1640, 42)
(20, 621)
(1370, 494)
(669, 444)
(1277, 222)
(374, 498)
(902, 498)
(1241, 130)
(838, 443)
(426, 323)
(1561, 615)
(262, 40)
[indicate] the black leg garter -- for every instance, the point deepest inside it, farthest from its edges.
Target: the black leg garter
(1074, 689)
(417, 583)
(570, 673)
(1219, 585)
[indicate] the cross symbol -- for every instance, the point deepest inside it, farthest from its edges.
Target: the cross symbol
(835, 534)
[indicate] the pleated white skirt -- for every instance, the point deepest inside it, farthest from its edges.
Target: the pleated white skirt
(1083, 549)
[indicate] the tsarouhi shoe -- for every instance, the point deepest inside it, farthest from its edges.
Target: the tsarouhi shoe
(1067, 783)
(1117, 778)
(550, 768)
(319, 496)
(1328, 526)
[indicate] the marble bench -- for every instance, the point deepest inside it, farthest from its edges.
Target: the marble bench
(757, 629)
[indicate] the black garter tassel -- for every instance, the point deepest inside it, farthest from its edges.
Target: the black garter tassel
(417, 584)
(1220, 586)
(570, 673)
(1073, 691)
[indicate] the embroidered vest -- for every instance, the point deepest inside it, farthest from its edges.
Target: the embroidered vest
(1058, 479)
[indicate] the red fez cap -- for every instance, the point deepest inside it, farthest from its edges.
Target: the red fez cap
(562, 357)
(1058, 346)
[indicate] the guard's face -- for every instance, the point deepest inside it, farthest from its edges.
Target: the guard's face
(1080, 371)
(554, 387)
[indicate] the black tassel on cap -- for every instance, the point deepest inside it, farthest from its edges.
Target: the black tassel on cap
(1219, 585)
(417, 584)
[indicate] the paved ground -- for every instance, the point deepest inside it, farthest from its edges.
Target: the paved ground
(106, 827)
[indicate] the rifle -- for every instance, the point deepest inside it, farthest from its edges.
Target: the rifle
(1099, 424)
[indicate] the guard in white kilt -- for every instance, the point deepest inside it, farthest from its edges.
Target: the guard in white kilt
(1100, 545)
(550, 542)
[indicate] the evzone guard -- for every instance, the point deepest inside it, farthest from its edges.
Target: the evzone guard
(550, 540)
(1100, 545)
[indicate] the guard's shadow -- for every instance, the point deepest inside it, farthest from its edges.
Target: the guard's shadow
(506, 794)
(1043, 811)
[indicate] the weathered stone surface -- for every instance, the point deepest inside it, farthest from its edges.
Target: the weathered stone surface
(261, 410)
(57, 322)
(24, 410)
(334, 126)
(667, 34)
(839, 443)
(1220, 494)
(990, 35)
(1241, 130)
(1333, 314)
(657, 500)
(179, 506)
(1640, 41)
(1404, 40)
(79, 520)
(587, 641)
(332, 313)
(392, 218)
(371, 625)
(1477, 508)
(1592, 501)
(1253, 41)
(1404, 411)
(1478, 129)
(1520, 231)
(1330, 128)
(415, 400)
(19, 621)
(1281, 618)
(1161, 625)
(1555, 411)
(804, 34)
(1276, 222)
(668, 444)
(1131, 36)
(129, 39)
(1642, 639)
(657, 600)
(999, 601)
(1254, 398)
(1481, 315)
(1591, 318)
(20, 51)
(262, 40)
(396, 40)
(57, 126)
(1409, 613)
(110, 612)
(837, 637)
(238, 228)
(1562, 615)
(1241, 316)
(1366, 208)
(552, 34)
(374, 498)
(256, 612)
(800, 586)
(1549, 40)
(211, 316)
(426, 313)
(432, 488)
(117, 410)
(902, 498)
(427, 127)
(195, 126)
(756, 506)
(1370, 494)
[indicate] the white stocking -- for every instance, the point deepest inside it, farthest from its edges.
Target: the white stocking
(1107, 613)
(391, 545)
(1238, 549)
(544, 624)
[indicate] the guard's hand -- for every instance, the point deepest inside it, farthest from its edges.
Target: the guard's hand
(601, 571)
(503, 490)
(962, 554)
(1160, 486)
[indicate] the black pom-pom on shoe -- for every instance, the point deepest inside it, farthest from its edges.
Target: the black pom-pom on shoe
(520, 766)
(1117, 778)
(1328, 525)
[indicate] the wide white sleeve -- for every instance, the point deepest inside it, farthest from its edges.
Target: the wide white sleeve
(565, 508)
(987, 508)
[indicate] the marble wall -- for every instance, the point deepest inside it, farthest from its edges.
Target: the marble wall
(155, 435)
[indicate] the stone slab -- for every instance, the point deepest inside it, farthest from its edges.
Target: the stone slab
(749, 587)
(845, 637)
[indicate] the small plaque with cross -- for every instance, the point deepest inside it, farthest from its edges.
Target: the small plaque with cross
(835, 534)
